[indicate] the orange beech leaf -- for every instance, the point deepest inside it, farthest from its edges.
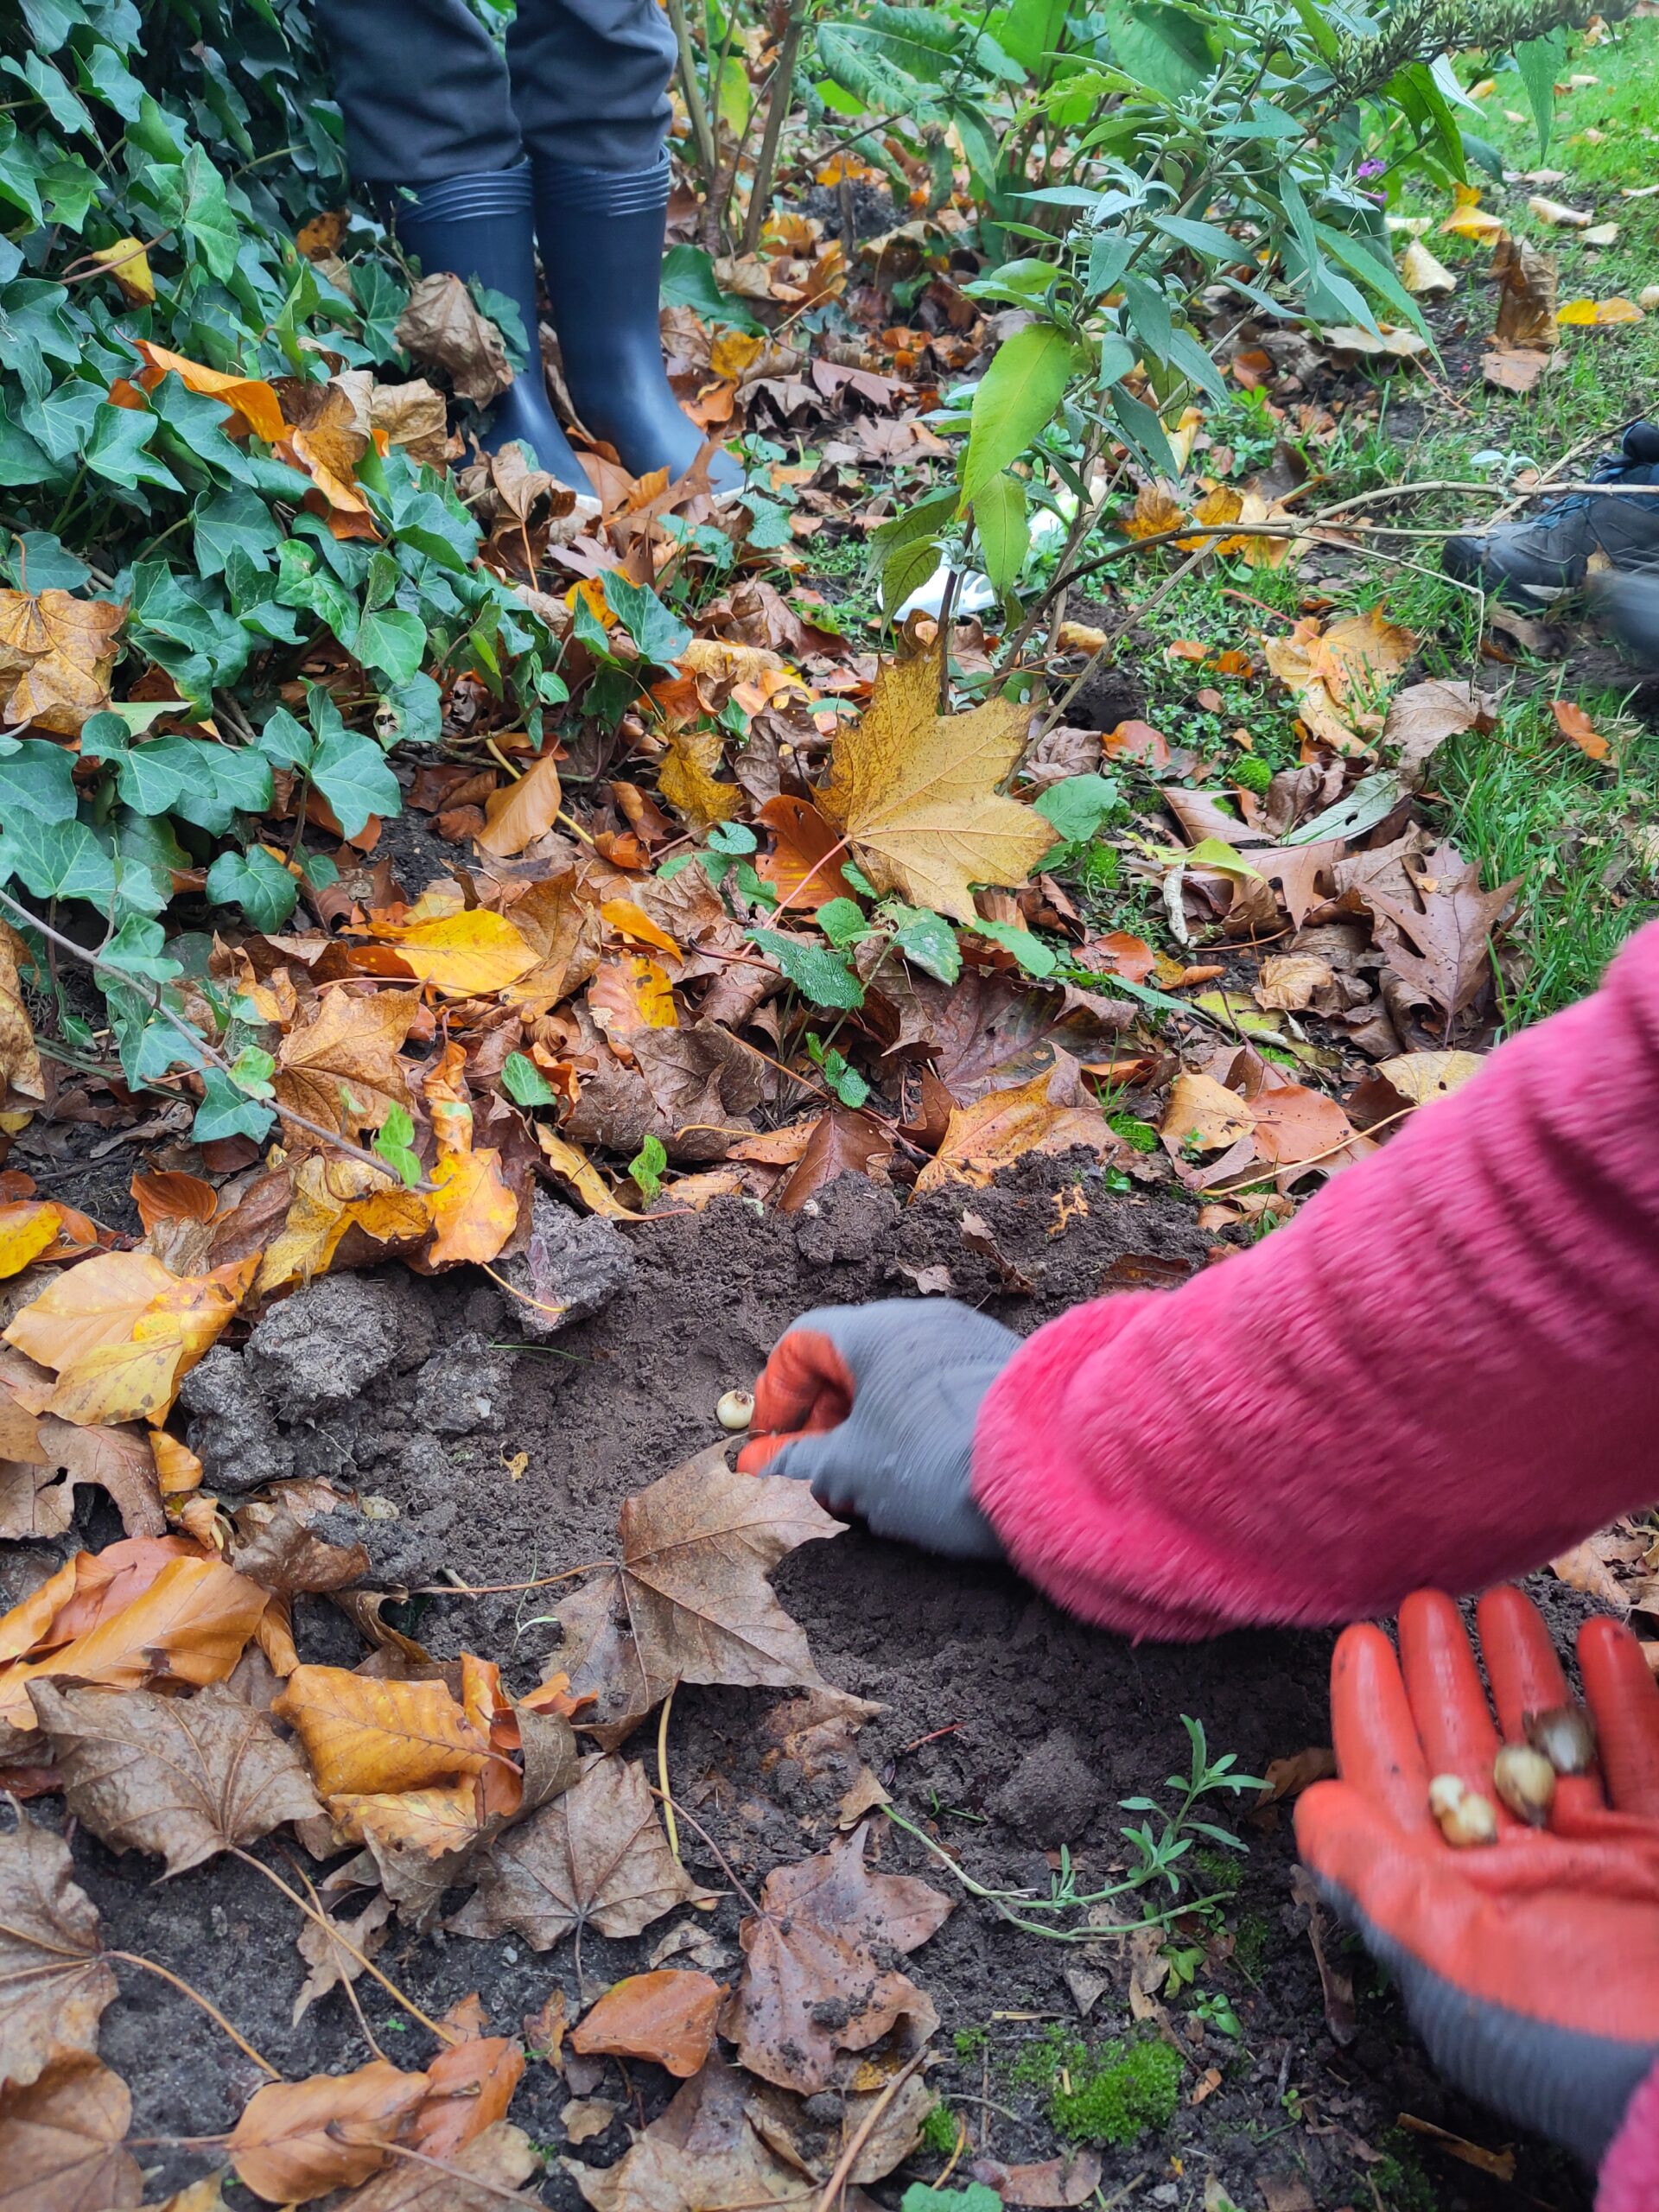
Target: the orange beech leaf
(191, 1626)
(254, 401)
(26, 1230)
(297, 2139)
(1577, 727)
(629, 920)
(519, 812)
(172, 1196)
(473, 2084)
(668, 2016)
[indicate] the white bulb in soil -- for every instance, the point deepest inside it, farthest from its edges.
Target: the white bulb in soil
(735, 1410)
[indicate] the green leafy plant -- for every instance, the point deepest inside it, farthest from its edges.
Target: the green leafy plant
(648, 1167)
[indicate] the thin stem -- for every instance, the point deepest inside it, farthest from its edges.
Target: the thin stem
(506, 1589)
(347, 1982)
(669, 1820)
(783, 83)
(153, 1000)
(696, 107)
(433, 2027)
(136, 1959)
(468, 2182)
(691, 1820)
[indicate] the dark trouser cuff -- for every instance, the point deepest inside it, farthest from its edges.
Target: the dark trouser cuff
(580, 191)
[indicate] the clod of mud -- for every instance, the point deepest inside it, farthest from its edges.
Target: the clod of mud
(573, 1265)
(1053, 1794)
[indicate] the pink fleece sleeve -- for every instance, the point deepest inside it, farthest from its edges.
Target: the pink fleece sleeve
(1445, 1370)
(1629, 2181)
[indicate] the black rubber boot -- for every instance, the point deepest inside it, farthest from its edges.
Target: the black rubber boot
(602, 232)
(1527, 561)
(479, 227)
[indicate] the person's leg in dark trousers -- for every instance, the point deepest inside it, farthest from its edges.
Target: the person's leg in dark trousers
(429, 126)
(590, 83)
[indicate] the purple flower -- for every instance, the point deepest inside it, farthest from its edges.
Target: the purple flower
(1369, 169)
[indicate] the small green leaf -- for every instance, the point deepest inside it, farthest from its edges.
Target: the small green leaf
(1077, 806)
(648, 1167)
(256, 882)
(526, 1083)
(842, 922)
(821, 977)
(394, 1142)
(351, 772)
(225, 1111)
(1016, 397)
(928, 940)
(1034, 955)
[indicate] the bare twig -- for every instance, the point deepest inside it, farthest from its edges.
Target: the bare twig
(669, 1820)
(696, 107)
(331, 1928)
(865, 2129)
(692, 1821)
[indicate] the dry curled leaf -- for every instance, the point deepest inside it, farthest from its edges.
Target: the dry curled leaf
(705, 2152)
(332, 1965)
(1440, 943)
(688, 1600)
(56, 656)
(1527, 293)
(442, 325)
(472, 2085)
(519, 812)
(181, 1778)
(1203, 1115)
(297, 2139)
(1419, 1076)
(53, 1982)
(915, 791)
(60, 2140)
(1578, 728)
(481, 2177)
(815, 1985)
(1420, 272)
(595, 1856)
(668, 2016)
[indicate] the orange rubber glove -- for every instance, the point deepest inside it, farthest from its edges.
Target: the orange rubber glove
(1530, 1967)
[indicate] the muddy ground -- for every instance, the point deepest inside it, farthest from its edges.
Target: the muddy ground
(401, 1388)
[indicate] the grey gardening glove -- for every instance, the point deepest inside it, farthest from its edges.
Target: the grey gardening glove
(875, 1406)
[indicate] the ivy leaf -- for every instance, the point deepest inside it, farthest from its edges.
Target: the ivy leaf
(822, 977)
(58, 859)
(526, 1083)
(648, 1167)
(351, 772)
(394, 1142)
(116, 449)
(37, 780)
(391, 643)
(230, 522)
(256, 882)
(415, 713)
(656, 635)
(225, 1111)
(286, 740)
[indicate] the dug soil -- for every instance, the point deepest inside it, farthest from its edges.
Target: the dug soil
(1008, 1728)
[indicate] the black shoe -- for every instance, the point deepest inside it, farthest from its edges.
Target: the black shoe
(1527, 561)
(479, 227)
(600, 233)
(1629, 606)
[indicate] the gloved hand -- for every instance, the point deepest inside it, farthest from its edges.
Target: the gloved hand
(875, 1406)
(1530, 1966)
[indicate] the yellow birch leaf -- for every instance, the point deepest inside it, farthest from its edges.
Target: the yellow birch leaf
(686, 779)
(129, 264)
(916, 792)
(571, 1165)
(26, 1229)
(464, 956)
(629, 920)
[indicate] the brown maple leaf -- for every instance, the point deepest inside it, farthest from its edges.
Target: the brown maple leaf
(1440, 945)
(347, 1046)
(53, 1983)
(60, 2139)
(183, 1777)
(689, 1599)
(595, 1856)
(815, 1985)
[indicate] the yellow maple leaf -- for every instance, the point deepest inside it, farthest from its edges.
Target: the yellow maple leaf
(686, 779)
(464, 956)
(120, 1329)
(1005, 1125)
(915, 791)
(330, 1198)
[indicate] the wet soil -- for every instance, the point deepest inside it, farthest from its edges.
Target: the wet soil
(1008, 1727)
